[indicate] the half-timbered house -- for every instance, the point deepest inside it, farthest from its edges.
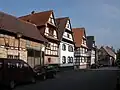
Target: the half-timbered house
(81, 49)
(66, 47)
(45, 22)
(20, 40)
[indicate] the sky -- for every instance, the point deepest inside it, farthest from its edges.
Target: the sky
(101, 18)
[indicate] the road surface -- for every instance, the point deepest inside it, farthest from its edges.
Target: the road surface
(77, 80)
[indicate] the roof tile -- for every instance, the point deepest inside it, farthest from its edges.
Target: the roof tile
(12, 24)
(39, 19)
(78, 34)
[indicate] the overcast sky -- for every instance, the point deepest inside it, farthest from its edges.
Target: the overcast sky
(101, 18)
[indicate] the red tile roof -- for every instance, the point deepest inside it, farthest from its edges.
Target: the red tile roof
(12, 24)
(61, 24)
(78, 34)
(39, 19)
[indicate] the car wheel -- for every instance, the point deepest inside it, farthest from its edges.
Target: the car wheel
(33, 80)
(12, 84)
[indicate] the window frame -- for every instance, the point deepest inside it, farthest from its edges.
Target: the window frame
(63, 59)
(70, 48)
(63, 47)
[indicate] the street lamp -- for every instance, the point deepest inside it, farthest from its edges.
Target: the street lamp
(19, 35)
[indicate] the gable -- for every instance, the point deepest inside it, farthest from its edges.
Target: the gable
(51, 20)
(68, 26)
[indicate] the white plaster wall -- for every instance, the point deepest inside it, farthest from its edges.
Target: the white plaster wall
(65, 53)
(92, 57)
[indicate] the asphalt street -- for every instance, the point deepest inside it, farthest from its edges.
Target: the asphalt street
(104, 79)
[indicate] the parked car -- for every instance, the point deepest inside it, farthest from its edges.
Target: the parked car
(44, 72)
(50, 71)
(14, 71)
(40, 72)
(94, 66)
(56, 66)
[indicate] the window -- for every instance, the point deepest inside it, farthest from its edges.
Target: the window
(63, 59)
(63, 47)
(48, 45)
(46, 31)
(68, 36)
(10, 56)
(83, 50)
(11, 65)
(19, 65)
(69, 60)
(82, 59)
(86, 59)
(70, 48)
(15, 57)
(50, 32)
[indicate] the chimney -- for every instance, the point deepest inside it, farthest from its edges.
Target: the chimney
(32, 12)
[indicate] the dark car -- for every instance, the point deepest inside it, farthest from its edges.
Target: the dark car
(40, 72)
(50, 71)
(44, 72)
(55, 66)
(14, 71)
(94, 66)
